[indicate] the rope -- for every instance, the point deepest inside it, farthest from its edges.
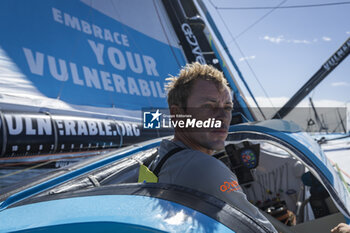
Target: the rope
(26, 169)
(342, 178)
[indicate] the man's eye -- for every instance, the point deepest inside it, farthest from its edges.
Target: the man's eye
(229, 108)
(209, 106)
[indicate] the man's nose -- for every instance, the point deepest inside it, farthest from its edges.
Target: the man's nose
(222, 114)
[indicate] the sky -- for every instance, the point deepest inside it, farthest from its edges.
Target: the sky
(286, 47)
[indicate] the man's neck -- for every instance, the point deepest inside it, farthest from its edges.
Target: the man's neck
(185, 140)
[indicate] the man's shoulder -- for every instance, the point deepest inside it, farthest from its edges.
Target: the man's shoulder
(193, 157)
(199, 158)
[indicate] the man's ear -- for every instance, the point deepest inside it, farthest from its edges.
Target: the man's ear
(176, 109)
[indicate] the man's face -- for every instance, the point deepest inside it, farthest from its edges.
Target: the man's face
(207, 101)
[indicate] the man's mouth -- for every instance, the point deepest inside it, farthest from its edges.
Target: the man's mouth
(220, 131)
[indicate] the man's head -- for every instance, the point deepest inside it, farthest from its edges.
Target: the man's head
(201, 91)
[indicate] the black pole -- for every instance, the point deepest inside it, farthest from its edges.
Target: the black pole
(318, 119)
(326, 69)
(341, 120)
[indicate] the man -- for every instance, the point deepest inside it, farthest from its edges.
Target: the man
(201, 91)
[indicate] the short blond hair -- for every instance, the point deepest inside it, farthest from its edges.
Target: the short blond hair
(179, 87)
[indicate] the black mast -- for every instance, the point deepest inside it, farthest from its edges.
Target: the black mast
(326, 69)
